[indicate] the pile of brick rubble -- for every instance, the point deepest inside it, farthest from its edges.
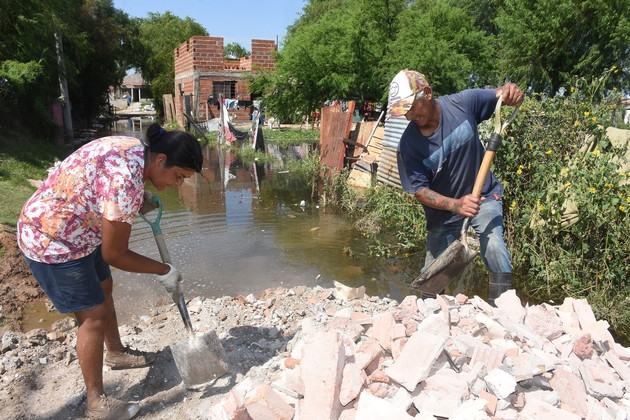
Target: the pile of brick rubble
(450, 357)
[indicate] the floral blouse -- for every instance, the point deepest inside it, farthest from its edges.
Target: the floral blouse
(62, 221)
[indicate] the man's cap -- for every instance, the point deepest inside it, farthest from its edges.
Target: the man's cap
(402, 91)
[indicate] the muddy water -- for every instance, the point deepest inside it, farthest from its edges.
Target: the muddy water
(241, 228)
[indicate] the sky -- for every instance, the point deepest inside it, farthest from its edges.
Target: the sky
(237, 21)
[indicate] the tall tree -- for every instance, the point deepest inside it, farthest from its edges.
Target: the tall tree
(333, 51)
(544, 43)
(98, 47)
(100, 54)
(442, 41)
(160, 34)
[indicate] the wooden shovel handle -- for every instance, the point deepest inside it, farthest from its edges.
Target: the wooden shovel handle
(488, 156)
(484, 169)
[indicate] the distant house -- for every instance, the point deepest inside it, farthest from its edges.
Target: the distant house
(202, 75)
(134, 86)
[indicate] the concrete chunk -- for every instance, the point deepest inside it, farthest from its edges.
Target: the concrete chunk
(585, 314)
(536, 409)
(263, 403)
(599, 380)
(441, 395)
(543, 320)
(352, 383)
(571, 391)
(500, 383)
(383, 330)
(620, 367)
(344, 292)
(374, 408)
(415, 362)
(322, 370)
(510, 305)
(368, 351)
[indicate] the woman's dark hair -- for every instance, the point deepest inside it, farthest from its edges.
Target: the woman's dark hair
(181, 148)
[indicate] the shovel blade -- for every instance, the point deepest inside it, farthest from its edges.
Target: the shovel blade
(448, 265)
(200, 360)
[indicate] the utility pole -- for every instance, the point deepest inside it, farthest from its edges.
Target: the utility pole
(64, 97)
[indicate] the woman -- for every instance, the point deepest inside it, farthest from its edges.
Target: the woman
(78, 223)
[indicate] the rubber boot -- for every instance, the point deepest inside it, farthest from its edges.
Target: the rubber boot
(497, 284)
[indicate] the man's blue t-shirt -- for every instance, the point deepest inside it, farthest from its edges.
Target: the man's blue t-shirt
(448, 160)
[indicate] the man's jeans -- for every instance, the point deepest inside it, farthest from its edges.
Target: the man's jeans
(489, 227)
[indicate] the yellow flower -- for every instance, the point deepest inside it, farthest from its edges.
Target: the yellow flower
(567, 185)
(622, 208)
(572, 89)
(593, 119)
(518, 172)
(513, 205)
(609, 185)
(541, 207)
(564, 171)
(586, 113)
(592, 190)
(596, 152)
(628, 199)
(531, 146)
(576, 123)
(548, 152)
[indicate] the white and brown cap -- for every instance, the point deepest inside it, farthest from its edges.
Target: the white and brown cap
(402, 91)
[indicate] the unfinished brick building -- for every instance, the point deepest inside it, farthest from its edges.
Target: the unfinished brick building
(202, 75)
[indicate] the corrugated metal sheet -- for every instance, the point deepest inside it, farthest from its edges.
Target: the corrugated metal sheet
(387, 172)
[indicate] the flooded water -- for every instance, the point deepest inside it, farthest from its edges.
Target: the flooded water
(239, 228)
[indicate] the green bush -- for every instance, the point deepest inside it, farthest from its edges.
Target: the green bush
(566, 216)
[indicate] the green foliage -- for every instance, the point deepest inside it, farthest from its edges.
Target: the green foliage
(159, 35)
(290, 136)
(544, 43)
(19, 85)
(98, 51)
(392, 220)
(308, 74)
(567, 201)
(442, 41)
(234, 51)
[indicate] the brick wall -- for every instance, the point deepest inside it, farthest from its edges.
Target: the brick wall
(202, 57)
(199, 53)
(263, 54)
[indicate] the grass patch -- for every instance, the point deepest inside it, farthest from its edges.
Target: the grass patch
(23, 158)
(290, 136)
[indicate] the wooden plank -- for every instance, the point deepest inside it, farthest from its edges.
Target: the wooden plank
(334, 125)
(169, 107)
(365, 129)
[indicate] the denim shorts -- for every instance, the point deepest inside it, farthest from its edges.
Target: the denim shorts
(73, 286)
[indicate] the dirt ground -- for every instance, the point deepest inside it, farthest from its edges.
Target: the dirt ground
(17, 286)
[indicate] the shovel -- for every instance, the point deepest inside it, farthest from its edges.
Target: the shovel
(450, 263)
(199, 360)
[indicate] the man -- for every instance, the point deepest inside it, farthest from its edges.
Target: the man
(439, 155)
